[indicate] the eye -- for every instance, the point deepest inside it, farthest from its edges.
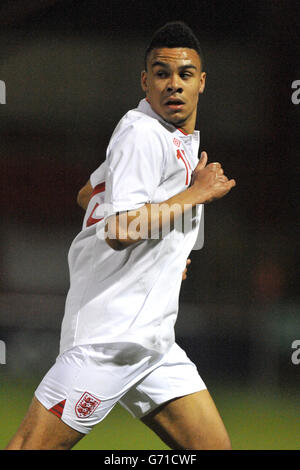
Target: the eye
(161, 74)
(185, 75)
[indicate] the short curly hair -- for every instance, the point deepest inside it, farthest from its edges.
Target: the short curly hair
(174, 34)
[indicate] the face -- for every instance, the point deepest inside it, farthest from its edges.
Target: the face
(172, 83)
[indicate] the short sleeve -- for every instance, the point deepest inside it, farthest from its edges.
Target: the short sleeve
(135, 165)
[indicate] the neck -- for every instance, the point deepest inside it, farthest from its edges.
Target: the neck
(189, 125)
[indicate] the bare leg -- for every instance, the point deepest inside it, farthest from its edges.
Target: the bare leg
(190, 422)
(42, 430)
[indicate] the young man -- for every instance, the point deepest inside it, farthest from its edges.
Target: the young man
(117, 338)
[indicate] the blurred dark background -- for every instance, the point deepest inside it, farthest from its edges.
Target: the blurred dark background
(71, 70)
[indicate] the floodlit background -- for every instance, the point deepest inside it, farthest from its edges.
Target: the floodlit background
(71, 70)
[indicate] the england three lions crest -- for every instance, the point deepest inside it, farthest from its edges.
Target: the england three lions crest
(86, 405)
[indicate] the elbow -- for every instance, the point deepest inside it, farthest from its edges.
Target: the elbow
(113, 237)
(81, 199)
(84, 195)
(78, 199)
(115, 244)
(118, 235)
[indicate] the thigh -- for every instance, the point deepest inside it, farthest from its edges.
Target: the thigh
(174, 376)
(189, 422)
(174, 402)
(78, 392)
(42, 430)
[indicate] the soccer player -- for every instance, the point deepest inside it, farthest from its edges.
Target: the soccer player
(117, 337)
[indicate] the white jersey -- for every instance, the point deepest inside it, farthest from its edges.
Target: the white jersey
(132, 295)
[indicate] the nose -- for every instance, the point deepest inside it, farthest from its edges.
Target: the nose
(173, 85)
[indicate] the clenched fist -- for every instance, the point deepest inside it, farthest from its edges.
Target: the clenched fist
(209, 179)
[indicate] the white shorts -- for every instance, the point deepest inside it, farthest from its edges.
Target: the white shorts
(86, 382)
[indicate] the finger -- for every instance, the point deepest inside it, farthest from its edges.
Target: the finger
(223, 178)
(203, 161)
(216, 165)
(231, 184)
(188, 261)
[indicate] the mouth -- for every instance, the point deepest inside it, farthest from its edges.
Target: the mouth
(174, 104)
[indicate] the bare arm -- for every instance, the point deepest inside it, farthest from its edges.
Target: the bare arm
(208, 183)
(84, 195)
(83, 198)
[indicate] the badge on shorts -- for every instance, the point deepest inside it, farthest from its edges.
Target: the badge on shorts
(86, 405)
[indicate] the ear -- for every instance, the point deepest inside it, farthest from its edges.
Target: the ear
(202, 82)
(144, 84)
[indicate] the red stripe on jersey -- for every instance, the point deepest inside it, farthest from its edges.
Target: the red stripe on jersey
(91, 220)
(98, 189)
(55, 413)
(181, 157)
(186, 159)
(185, 133)
(58, 408)
(60, 405)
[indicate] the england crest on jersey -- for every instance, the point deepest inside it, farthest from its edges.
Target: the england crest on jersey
(86, 405)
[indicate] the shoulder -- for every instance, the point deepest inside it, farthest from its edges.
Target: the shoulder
(140, 128)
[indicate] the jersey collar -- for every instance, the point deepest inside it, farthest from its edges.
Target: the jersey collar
(145, 107)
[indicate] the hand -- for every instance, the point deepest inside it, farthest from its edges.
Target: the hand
(210, 181)
(184, 273)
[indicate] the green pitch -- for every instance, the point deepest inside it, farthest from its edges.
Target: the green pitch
(254, 420)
